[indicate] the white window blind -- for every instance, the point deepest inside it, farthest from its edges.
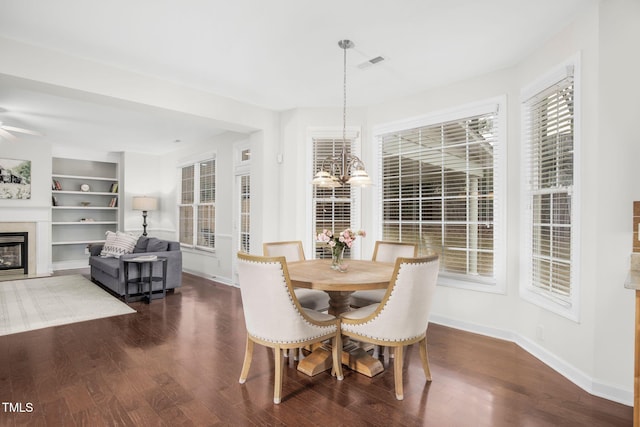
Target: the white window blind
(548, 128)
(185, 208)
(245, 213)
(197, 204)
(438, 191)
(333, 208)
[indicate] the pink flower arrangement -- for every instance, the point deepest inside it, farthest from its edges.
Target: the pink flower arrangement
(341, 240)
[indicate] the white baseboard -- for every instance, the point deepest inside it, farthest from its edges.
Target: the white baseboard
(576, 376)
(219, 279)
(70, 265)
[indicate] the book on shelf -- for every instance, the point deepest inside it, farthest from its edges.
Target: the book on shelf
(54, 201)
(55, 185)
(114, 187)
(114, 202)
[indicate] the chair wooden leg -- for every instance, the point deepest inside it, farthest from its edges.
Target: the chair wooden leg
(337, 357)
(424, 356)
(248, 355)
(397, 371)
(277, 380)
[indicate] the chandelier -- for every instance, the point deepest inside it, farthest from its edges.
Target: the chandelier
(343, 168)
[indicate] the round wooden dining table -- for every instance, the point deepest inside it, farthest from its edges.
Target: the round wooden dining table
(339, 285)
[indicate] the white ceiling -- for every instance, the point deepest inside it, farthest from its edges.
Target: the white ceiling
(278, 54)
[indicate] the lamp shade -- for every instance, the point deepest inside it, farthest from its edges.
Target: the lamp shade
(359, 178)
(323, 179)
(144, 203)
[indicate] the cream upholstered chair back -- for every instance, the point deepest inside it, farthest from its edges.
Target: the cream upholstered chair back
(271, 312)
(402, 317)
(384, 251)
(291, 250)
(388, 251)
(403, 313)
(274, 317)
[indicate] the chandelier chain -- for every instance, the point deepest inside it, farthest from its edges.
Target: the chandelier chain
(344, 97)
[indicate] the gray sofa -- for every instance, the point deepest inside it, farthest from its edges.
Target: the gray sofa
(109, 272)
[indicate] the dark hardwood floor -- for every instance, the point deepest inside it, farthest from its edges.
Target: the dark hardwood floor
(177, 362)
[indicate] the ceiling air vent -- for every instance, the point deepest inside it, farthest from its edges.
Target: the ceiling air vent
(372, 61)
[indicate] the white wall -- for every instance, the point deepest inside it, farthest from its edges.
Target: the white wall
(217, 264)
(266, 193)
(573, 348)
(616, 185)
(65, 71)
(596, 352)
(39, 153)
(143, 175)
(551, 343)
(37, 209)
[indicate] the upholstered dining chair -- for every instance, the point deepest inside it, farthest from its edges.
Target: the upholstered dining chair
(282, 323)
(402, 317)
(308, 298)
(383, 251)
(293, 251)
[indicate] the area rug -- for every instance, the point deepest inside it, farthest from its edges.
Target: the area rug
(31, 304)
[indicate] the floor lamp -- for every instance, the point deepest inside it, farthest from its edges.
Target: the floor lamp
(145, 204)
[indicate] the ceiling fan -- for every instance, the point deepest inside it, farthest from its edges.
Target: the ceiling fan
(5, 132)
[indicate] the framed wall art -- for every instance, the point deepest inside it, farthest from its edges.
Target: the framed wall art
(15, 179)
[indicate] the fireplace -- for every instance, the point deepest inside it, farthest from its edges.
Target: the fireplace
(14, 250)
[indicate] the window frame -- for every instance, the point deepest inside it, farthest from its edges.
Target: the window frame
(497, 283)
(196, 203)
(353, 134)
(242, 212)
(568, 307)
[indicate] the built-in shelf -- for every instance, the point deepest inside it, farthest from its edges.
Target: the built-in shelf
(82, 195)
(81, 177)
(84, 208)
(89, 193)
(79, 242)
(83, 222)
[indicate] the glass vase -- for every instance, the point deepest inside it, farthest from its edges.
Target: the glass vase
(337, 258)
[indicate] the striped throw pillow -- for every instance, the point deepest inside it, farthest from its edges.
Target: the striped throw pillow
(123, 243)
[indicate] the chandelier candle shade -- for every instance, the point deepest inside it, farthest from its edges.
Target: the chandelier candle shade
(341, 169)
(145, 204)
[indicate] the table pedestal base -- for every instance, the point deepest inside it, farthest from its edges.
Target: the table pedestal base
(352, 356)
(362, 275)
(319, 360)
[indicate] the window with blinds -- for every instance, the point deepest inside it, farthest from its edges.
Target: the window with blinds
(549, 159)
(185, 208)
(333, 208)
(245, 213)
(438, 190)
(197, 209)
